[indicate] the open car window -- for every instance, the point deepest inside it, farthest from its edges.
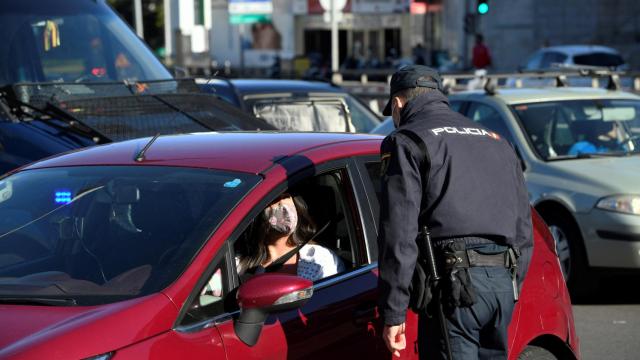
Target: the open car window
(330, 205)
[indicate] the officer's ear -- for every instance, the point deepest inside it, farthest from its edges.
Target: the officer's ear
(398, 102)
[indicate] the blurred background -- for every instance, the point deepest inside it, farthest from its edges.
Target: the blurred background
(292, 38)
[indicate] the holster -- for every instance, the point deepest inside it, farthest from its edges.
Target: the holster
(457, 290)
(454, 263)
(421, 288)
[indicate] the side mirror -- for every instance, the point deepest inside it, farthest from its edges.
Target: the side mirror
(264, 294)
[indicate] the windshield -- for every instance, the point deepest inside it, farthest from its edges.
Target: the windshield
(71, 41)
(581, 128)
(102, 234)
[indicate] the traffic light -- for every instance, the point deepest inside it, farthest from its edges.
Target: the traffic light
(483, 7)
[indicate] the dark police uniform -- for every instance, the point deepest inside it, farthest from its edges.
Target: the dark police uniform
(465, 183)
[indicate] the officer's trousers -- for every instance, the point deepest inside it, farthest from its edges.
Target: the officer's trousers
(476, 332)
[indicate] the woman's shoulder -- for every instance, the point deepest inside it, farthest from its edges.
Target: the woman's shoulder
(315, 250)
(319, 254)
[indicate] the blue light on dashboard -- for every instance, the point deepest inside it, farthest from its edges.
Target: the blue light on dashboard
(63, 197)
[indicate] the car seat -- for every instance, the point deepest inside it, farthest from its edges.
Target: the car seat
(537, 123)
(323, 209)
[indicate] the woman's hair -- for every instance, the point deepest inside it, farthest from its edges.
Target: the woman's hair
(256, 252)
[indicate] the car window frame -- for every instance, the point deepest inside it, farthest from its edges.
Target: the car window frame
(510, 137)
(221, 260)
(529, 63)
(369, 195)
(462, 106)
(232, 281)
(554, 55)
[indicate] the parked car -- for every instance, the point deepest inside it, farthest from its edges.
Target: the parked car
(569, 58)
(589, 199)
(575, 55)
(73, 74)
(295, 105)
(126, 251)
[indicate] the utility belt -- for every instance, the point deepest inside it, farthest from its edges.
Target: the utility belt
(472, 258)
(453, 260)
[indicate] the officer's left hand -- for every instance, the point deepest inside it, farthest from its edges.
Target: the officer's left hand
(393, 336)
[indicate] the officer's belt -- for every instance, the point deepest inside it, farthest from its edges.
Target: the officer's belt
(472, 258)
(467, 240)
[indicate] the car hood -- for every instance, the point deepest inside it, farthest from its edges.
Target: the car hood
(603, 176)
(45, 332)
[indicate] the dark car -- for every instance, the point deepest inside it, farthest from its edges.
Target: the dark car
(296, 105)
(132, 247)
(73, 74)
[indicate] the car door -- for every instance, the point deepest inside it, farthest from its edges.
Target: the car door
(369, 168)
(195, 335)
(340, 319)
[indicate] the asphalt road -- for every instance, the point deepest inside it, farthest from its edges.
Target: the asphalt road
(608, 324)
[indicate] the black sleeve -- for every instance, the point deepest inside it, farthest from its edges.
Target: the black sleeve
(524, 227)
(399, 211)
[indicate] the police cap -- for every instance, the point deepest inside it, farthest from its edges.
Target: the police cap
(412, 76)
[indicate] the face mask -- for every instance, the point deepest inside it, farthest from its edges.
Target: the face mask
(282, 218)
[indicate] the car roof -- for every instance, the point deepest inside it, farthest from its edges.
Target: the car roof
(580, 49)
(250, 152)
(530, 95)
(255, 86)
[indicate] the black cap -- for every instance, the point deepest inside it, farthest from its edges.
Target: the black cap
(410, 77)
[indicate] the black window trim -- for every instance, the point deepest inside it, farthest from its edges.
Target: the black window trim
(373, 205)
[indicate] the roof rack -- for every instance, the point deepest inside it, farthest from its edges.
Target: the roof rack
(491, 82)
(558, 76)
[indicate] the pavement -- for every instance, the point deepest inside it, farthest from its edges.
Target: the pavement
(608, 323)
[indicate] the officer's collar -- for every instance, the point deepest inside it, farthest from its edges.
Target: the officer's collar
(423, 103)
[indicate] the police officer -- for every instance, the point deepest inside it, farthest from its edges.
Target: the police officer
(465, 184)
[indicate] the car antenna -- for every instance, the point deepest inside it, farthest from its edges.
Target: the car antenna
(140, 156)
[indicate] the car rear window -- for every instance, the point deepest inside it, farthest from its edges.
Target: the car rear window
(598, 59)
(305, 115)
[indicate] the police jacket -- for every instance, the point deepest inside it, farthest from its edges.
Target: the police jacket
(461, 180)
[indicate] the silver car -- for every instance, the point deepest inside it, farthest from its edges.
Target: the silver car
(581, 157)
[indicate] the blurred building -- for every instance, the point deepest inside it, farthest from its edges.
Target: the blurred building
(514, 29)
(388, 33)
(371, 33)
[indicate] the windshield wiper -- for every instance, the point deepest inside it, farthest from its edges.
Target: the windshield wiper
(588, 156)
(52, 111)
(38, 301)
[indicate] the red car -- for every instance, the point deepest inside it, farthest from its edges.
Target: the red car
(126, 251)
